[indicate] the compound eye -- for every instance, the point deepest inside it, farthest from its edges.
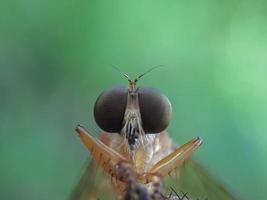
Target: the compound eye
(155, 109)
(110, 108)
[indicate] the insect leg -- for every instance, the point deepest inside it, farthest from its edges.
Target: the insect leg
(174, 159)
(105, 156)
(115, 165)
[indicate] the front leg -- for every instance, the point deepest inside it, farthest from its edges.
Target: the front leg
(117, 166)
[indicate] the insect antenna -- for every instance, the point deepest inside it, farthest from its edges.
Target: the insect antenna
(139, 76)
(151, 69)
(124, 74)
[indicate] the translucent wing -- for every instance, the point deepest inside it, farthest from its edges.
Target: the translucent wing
(94, 184)
(196, 183)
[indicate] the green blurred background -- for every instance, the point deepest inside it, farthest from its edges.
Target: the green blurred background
(55, 59)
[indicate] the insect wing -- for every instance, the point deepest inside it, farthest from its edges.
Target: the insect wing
(196, 183)
(94, 184)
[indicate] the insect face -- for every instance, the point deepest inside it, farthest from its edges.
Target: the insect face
(132, 112)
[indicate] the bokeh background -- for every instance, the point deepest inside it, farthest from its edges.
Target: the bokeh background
(55, 59)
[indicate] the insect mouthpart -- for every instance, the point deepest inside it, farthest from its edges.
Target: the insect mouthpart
(132, 129)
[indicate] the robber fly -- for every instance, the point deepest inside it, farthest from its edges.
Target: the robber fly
(136, 152)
